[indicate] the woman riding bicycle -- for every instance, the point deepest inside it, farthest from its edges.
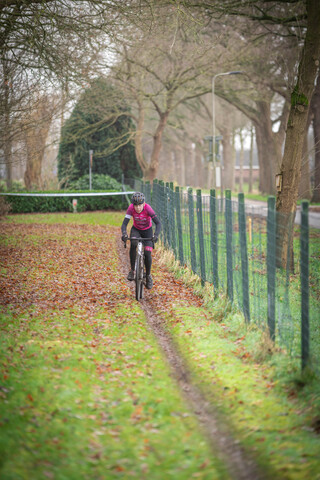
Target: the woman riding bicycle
(142, 215)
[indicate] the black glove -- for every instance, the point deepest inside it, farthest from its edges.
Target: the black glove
(124, 237)
(155, 238)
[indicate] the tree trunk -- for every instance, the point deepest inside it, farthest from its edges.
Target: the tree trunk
(7, 147)
(228, 160)
(298, 117)
(198, 181)
(266, 149)
(152, 170)
(189, 166)
(178, 159)
(138, 141)
(316, 134)
(166, 165)
(241, 160)
(36, 133)
(8, 163)
(304, 185)
(209, 175)
(32, 175)
(251, 161)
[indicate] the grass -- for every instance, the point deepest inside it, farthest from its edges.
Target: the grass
(85, 392)
(288, 293)
(272, 409)
(78, 404)
(111, 217)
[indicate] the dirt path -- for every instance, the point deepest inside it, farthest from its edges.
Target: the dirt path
(239, 465)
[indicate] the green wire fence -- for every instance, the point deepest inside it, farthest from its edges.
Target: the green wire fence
(237, 251)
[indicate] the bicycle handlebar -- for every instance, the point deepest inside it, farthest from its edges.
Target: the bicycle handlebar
(136, 238)
(140, 238)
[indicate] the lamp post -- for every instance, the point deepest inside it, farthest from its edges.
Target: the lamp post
(90, 166)
(214, 123)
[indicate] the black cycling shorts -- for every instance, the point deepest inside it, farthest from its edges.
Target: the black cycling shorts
(148, 233)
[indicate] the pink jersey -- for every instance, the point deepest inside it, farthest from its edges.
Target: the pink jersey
(143, 220)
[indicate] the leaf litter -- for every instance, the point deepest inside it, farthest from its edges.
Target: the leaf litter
(63, 311)
(85, 392)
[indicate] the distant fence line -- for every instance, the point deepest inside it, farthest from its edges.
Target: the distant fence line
(237, 253)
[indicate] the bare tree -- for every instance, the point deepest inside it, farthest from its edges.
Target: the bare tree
(265, 101)
(36, 128)
(286, 18)
(14, 92)
(158, 71)
(44, 46)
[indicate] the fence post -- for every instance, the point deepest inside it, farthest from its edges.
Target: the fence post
(191, 229)
(172, 218)
(228, 214)
(166, 212)
(179, 225)
(244, 256)
(304, 278)
(271, 265)
(148, 192)
(162, 211)
(214, 239)
(155, 202)
(201, 239)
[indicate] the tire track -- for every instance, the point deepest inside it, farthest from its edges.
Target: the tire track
(236, 460)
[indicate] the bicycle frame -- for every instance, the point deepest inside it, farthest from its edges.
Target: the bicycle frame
(139, 266)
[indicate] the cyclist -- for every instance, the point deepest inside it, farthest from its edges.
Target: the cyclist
(142, 215)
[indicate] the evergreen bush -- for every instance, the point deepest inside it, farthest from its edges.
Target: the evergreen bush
(98, 182)
(24, 204)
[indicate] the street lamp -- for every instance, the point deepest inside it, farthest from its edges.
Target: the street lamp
(214, 123)
(90, 166)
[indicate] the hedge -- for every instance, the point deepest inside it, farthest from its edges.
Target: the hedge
(26, 204)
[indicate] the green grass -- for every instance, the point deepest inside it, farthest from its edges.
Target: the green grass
(273, 410)
(288, 294)
(86, 218)
(85, 392)
(78, 404)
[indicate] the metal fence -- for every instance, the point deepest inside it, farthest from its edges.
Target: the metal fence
(237, 252)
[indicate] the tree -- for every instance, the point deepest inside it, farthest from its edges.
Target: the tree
(265, 100)
(286, 18)
(315, 105)
(43, 45)
(99, 122)
(300, 101)
(36, 128)
(14, 93)
(158, 70)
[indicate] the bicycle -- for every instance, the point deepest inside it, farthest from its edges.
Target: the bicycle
(139, 266)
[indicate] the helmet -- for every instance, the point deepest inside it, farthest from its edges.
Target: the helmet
(138, 198)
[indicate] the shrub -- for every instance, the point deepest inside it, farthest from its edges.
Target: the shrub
(98, 182)
(5, 207)
(30, 204)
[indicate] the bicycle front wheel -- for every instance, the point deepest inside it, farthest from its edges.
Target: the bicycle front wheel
(141, 273)
(139, 278)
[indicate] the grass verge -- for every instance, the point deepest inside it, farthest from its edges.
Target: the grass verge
(272, 409)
